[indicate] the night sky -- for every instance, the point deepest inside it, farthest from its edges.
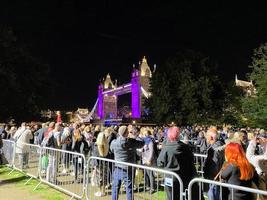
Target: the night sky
(83, 40)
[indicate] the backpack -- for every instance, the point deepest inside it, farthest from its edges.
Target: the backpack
(49, 142)
(86, 148)
(155, 148)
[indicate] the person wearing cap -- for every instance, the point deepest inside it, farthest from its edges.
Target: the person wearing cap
(124, 149)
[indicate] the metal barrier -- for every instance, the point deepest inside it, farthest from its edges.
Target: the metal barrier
(69, 173)
(63, 170)
(8, 152)
(105, 177)
(27, 159)
(199, 160)
(230, 187)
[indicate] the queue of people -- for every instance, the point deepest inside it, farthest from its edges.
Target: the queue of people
(238, 156)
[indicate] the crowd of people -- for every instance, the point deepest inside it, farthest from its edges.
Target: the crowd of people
(237, 156)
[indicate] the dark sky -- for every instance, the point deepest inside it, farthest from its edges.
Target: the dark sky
(83, 40)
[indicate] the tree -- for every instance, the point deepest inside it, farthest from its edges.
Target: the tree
(187, 90)
(255, 107)
(24, 81)
(232, 106)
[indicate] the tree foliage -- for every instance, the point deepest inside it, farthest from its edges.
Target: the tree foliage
(255, 107)
(187, 90)
(24, 81)
(232, 107)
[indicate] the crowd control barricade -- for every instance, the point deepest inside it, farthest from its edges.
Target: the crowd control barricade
(63, 170)
(199, 160)
(27, 159)
(8, 153)
(121, 180)
(225, 189)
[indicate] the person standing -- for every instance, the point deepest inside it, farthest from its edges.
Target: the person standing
(66, 142)
(40, 133)
(215, 157)
(148, 159)
(53, 157)
(1, 154)
(178, 158)
(257, 156)
(237, 171)
(78, 146)
(21, 148)
(124, 150)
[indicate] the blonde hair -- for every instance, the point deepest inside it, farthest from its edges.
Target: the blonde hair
(77, 135)
(238, 135)
(107, 132)
(143, 132)
(251, 135)
(87, 129)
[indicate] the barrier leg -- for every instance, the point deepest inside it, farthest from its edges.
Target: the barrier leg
(11, 171)
(37, 185)
(28, 181)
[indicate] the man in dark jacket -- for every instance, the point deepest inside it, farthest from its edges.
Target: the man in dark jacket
(215, 155)
(124, 150)
(214, 160)
(178, 158)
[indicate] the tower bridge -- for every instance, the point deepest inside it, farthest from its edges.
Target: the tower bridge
(108, 92)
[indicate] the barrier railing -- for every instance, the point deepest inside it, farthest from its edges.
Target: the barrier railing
(199, 160)
(8, 152)
(27, 159)
(63, 170)
(105, 177)
(230, 189)
(70, 173)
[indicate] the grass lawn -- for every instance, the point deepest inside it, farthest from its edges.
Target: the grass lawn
(17, 180)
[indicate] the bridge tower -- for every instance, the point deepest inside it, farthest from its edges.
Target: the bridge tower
(138, 87)
(145, 76)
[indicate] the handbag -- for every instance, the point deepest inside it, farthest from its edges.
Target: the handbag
(214, 190)
(44, 162)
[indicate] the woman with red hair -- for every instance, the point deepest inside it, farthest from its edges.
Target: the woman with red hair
(237, 171)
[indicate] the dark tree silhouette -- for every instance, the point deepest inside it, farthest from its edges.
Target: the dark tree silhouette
(24, 81)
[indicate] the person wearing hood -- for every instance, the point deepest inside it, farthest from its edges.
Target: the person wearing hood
(177, 157)
(124, 149)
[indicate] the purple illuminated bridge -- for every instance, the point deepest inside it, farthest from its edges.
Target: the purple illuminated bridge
(108, 93)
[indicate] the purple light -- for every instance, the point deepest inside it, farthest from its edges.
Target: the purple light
(135, 94)
(100, 102)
